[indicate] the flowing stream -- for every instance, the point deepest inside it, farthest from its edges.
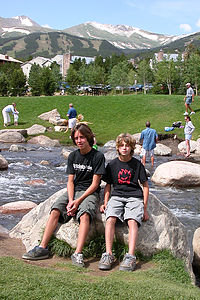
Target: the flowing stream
(24, 167)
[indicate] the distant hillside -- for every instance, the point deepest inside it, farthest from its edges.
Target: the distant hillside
(52, 43)
(121, 36)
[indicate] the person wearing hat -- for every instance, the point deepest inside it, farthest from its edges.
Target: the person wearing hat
(189, 98)
(7, 110)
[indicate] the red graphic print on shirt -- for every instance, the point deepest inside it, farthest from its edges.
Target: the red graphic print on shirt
(124, 176)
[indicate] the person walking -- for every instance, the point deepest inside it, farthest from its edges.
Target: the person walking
(188, 130)
(128, 202)
(148, 138)
(189, 98)
(85, 168)
(71, 116)
(6, 111)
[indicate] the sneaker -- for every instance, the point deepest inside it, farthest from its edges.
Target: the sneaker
(128, 263)
(185, 113)
(77, 260)
(106, 261)
(37, 253)
(192, 113)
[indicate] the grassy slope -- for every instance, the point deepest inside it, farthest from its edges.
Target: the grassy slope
(110, 115)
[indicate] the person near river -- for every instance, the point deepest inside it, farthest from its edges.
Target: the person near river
(85, 168)
(128, 202)
(188, 130)
(6, 111)
(149, 138)
(71, 114)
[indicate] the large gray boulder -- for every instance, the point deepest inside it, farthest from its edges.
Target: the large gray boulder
(196, 247)
(36, 129)
(3, 163)
(177, 173)
(162, 231)
(44, 141)
(162, 150)
(22, 131)
(11, 137)
(50, 114)
(182, 146)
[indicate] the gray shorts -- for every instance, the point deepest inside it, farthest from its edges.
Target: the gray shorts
(125, 209)
(88, 205)
(188, 100)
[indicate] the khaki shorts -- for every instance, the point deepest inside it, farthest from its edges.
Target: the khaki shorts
(125, 208)
(88, 205)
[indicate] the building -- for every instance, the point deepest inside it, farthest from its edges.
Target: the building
(63, 61)
(8, 59)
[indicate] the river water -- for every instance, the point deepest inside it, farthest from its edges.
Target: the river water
(25, 167)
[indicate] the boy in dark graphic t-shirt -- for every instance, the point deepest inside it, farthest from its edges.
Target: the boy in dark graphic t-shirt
(85, 168)
(128, 201)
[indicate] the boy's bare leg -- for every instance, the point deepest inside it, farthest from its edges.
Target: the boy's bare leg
(83, 232)
(133, 235)
(109, 233)
(50, 227)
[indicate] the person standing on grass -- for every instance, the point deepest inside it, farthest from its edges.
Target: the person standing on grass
(85, 168)
(6, 111)
(128, 202)
(71, 116)
(188, 130)
(149, 138)
(189, 98)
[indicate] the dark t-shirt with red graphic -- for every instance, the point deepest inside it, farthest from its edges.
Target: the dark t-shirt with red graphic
(124, 177)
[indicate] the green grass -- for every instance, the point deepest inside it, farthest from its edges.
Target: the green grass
(162, 280)
(110, 114)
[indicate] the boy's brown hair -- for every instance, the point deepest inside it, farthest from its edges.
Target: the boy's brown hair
(128, 139)
(85, 131)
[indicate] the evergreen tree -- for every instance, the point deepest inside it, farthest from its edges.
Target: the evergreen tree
(35, 81)
(18, 83)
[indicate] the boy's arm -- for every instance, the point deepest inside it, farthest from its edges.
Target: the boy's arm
(146, 197)
(107, 190)
(73, 205)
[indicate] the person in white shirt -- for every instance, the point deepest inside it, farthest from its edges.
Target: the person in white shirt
(9, 109)
(188, 130)
(189, 98)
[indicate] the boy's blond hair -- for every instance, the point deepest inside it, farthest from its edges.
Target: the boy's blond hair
(128, 139)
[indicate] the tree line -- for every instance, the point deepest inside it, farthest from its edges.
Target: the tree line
(166, 77)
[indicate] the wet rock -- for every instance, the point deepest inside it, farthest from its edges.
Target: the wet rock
(182, 146)
(177, 173)
(17, 207)
(35, 182)
(3, 163)
(17, 148)
(22, 131)
(162, 231)
(44, 141)
(50, 114)
(3, 230)
(36, 129)
(11, 137)
(44, 162)
(65, 153)
(162, 150)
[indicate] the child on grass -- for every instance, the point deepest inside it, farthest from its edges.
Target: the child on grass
(128, 201)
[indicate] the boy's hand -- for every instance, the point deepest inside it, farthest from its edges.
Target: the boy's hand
(146, 216)
(102, 208)
(72, 208)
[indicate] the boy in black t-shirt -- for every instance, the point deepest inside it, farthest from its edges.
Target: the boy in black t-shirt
(85, 168)
(128, 201)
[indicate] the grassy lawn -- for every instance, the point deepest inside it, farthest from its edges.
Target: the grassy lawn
(110, 115)
(166, 279)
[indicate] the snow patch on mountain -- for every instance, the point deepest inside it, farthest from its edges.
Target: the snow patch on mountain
(25, 21)
(13, 29)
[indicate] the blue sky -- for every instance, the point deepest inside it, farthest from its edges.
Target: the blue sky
(173, 17)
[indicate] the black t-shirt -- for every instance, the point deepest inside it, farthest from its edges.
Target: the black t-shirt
(124, 177)
(84, 167)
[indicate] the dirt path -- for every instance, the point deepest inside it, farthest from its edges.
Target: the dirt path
(15, 248)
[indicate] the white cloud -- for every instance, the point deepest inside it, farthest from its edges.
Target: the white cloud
(47, 26)
(198, 23)
(185, 27)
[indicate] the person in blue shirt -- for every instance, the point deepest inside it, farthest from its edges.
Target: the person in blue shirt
(149, 138)
(71, 116)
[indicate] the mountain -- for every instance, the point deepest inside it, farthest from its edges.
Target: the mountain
(121, 36)
(52, 43)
